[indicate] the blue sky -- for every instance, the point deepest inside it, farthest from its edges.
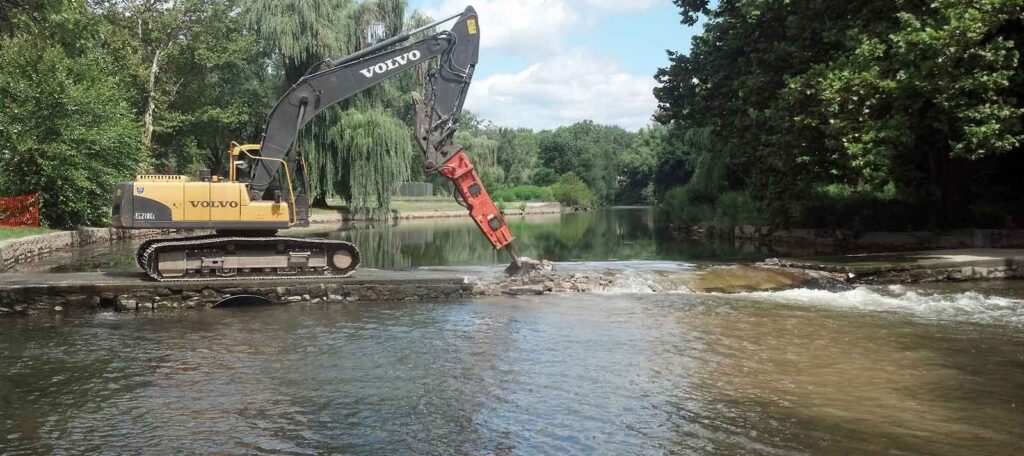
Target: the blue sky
(546, 63)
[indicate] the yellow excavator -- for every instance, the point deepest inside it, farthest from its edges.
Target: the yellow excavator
(260, 194)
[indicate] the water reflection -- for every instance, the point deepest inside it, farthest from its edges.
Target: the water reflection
(606, 234)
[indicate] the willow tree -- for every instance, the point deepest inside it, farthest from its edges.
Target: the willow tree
(359, 149)
(484, 153)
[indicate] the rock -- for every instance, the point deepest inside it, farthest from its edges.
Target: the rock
(125, 305)
(292, 298)
(525, 290)
(528, 266)
(57, 308)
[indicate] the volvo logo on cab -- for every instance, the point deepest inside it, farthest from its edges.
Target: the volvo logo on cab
(214, 204)
(391, 64)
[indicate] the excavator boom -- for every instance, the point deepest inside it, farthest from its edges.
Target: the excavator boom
(334, 81)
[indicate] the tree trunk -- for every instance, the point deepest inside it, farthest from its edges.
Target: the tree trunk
(147, 116)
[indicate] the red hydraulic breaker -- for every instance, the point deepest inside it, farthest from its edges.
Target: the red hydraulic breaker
(478, 201)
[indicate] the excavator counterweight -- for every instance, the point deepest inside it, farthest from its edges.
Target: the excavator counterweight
(260, 195)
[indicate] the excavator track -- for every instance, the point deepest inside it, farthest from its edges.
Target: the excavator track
(217, 257)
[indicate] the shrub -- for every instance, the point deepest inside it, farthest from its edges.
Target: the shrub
(688, 206)
(737, 208)
(571, 191)
(544, 177)
(522, 193)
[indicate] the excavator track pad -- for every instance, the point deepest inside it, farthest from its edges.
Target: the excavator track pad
(218, 257)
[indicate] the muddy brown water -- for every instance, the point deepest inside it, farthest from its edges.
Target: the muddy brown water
(915, 370)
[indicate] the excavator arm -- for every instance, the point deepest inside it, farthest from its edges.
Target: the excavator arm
(437, 112)
(334, 81)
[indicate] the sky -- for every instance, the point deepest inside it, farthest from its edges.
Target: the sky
(548, 63)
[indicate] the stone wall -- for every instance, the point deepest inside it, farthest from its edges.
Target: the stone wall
(831, 239)
(31, 248)
(43, 299)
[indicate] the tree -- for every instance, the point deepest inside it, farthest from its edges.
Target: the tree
(899, 102)
(517, 154)
(67, 130)
(589, 150)
(571, 191)
(305, 33)
(637, 165)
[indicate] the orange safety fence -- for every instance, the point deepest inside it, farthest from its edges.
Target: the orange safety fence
(18, 211)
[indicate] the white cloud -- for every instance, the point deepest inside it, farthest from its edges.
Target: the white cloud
(563, 89)
(523, 26)
(622, 5)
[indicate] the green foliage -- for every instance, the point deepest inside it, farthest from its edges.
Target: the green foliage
(638, 164)
(571, 191)
(376, 150)
(523, 193)
(303, 33)
(913, 104)
(737, 208)
(544, 177)
(67, 131)
(589, 150)
(483, 152)
(517, 154)
(688, 205)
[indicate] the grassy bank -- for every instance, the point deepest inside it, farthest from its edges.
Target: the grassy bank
(13, 233)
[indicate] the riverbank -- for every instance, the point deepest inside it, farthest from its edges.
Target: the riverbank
(915, 267)
(804, 242)
(432, 208)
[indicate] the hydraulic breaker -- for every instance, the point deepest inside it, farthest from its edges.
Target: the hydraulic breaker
(481, 207)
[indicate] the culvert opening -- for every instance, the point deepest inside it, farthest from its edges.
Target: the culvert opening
(243, 301)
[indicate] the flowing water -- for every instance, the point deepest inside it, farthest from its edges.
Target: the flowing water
(918, 370)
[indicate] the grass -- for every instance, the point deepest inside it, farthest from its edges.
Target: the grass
(12, 233)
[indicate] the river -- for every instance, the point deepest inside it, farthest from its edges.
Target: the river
(919, 370)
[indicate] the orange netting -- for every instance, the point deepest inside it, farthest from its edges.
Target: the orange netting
(19, 210)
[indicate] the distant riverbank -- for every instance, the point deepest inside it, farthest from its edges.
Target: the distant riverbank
(432, 208)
